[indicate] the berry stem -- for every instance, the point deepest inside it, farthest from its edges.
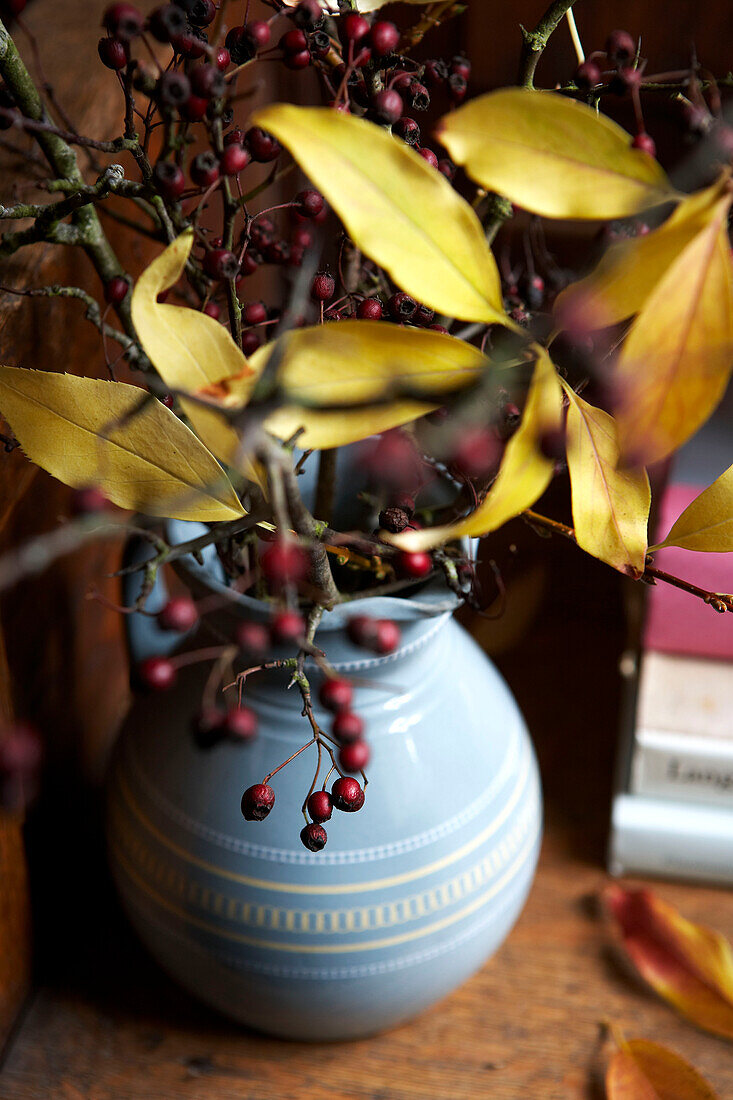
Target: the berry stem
(534, 42)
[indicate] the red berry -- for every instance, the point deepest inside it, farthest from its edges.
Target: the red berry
(477, 452)
(388, 106)
(354, 757)
(157, 673)
(257, 801)
(240, 44)
(423, 316)
(123, 21)
(436, 73)
(169, 179)
(205, 169)
(416, 564)
(222, 58)
(195, 108)
(448, 169)
(178, 614)
(207, 81)
(248, 266)
(112, 53)
(645, 143)
(253, 638)
(457, 88)
(21, 749)
(387, 637)
(370, 309)
(429, 156)
(258, 32)
(240, 723)
(383, 38)
(407, 129)
(336, 694)
(200, 13)
(354, 27)
(401, 306)
(620, 46)
(116, 290)
(254, 313)
(191, 43)
(382, 636)
(284, 563)
(418, 96)
(235, 136)
(173, 89)
(293, 42)
(302, 238)
(308, 14)
(88, 501)
(320, 806)
(314, 837)
(250, 342)
(16, 7)
(263, 146)
(219, 263)
(348, 726)
(323, 288)
(588, 75)
(167, 22)
(168, 400)
(211, 309)
(234, 159)
(297, 60)
(309, 203)
(288, 628)
(461, 66)
(347, 795)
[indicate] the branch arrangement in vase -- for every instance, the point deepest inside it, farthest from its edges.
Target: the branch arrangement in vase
(466, 386)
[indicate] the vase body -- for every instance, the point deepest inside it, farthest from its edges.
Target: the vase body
(411, 894)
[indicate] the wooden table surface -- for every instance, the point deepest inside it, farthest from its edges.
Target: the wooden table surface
(105, 1024)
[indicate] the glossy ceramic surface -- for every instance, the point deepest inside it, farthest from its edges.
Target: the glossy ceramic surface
(410, 896)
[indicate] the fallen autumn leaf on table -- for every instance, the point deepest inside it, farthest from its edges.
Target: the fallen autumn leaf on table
(688, 965)
(642, 1070)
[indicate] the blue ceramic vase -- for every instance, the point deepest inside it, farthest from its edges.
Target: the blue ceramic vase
(411, 895)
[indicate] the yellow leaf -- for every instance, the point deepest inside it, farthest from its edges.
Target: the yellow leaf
(707, 523)
(352, 362)
(524, 473)
(398, 210)
(88, 432)
(687, 964)
(676, 360)
(629, 270)
(552, 155)
(642, 1070)
(188, 349)
(610, 506)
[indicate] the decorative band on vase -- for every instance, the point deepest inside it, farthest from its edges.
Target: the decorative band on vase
(518, 744)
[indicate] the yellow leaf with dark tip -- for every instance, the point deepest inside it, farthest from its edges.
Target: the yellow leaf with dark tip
(405, 372)
(401, 212)
(676, 361)
(553, 156)
(642, 1070)
(629, 271)
(610, 505)
(524, 473)
(707, 523)
(188, 349)
(118, 438)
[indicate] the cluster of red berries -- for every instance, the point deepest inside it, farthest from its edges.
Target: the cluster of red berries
(346, 795)
(621, 75)
(360, 69)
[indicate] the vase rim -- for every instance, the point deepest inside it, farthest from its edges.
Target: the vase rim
(432, 600)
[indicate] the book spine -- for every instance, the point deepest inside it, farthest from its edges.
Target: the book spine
(670, 840)
(682, 767)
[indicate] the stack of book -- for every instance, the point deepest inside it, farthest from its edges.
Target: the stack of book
(672, 812)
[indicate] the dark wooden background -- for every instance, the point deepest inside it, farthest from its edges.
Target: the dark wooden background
(102, 1022)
